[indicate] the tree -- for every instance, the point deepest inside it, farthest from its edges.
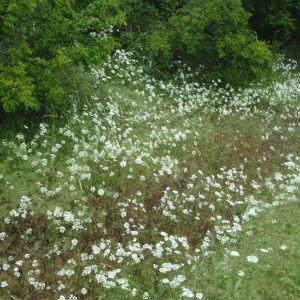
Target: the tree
(215, 34)
(41, 40)
(274, 19)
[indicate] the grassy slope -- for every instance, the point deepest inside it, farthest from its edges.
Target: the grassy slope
(228, 143)
(277, 273)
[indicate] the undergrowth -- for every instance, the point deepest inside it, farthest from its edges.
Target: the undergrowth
(138, 187)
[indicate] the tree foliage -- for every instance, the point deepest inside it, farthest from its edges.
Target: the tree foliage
(40, 40)
(275, 19)
(215, 34)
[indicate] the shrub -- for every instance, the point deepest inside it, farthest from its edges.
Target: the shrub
(41, 40)
(143, 17)
(216, 35)
(274, 19)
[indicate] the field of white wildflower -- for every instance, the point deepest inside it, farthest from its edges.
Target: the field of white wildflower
(138, 186)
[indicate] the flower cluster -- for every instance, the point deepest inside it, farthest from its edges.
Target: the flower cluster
(135, 187)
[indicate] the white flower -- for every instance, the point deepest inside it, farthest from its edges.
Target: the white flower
(168, 267)
(177, 281)
(234, 253)
(283, 247)
(3, 284)
(2, 236)
(252, 259)
(123, 164)
(74, 243)
(264, 250)
(100, 192)
(241, 273)
(133, 292)
(187, 293)
(199, 295)
(139, 160)
(62, 229)
(96, 249)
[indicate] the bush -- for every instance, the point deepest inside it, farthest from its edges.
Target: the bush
(216, 35)
(277, 20)
(41, 41)
(143, 17)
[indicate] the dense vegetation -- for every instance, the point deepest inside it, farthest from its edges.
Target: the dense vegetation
(275, 20)
(42, 42)
(135, 191)
(214, 34)
(149, 149)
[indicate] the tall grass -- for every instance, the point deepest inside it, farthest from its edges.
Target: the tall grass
(139, 185)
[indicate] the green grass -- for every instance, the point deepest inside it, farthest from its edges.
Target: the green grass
(276, 275)
(200, 167)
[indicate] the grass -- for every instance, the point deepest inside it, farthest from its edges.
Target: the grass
(276, 275)
(160, 178)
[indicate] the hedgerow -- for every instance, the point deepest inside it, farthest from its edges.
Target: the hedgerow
(40, 43)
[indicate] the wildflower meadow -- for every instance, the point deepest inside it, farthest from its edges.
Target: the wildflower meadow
(151, 189)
